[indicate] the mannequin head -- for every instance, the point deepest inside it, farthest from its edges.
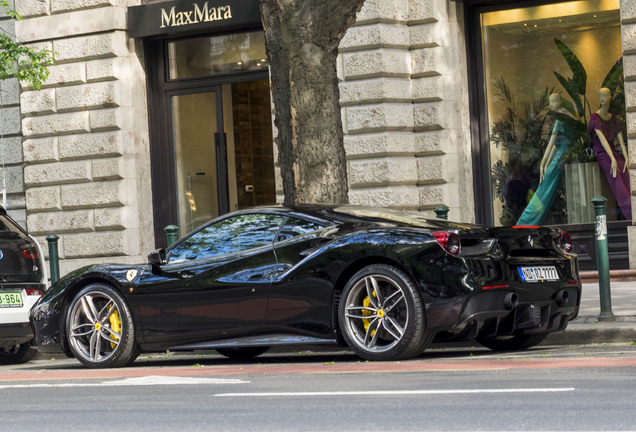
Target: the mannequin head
(604, 97)
(556, 103)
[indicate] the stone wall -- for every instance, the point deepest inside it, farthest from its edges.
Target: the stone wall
(85, 147)
(628, 33)
(11, 167)
(404, 96)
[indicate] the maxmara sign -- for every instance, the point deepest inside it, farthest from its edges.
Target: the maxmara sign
(197, 14)
(192, 16)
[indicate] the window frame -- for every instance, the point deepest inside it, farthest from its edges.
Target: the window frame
(160, 88)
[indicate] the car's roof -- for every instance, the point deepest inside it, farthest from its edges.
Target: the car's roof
(354, 213)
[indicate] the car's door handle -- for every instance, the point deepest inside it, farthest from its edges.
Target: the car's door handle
(185, 274)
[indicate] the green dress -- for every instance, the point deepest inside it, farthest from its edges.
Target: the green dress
(541, 201)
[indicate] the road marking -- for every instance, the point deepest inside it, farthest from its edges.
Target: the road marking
(139, 381)
(399, 392)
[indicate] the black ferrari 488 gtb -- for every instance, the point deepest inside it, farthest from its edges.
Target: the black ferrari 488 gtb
(385, 283)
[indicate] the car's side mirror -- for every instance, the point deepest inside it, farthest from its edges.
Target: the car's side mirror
(158, 257)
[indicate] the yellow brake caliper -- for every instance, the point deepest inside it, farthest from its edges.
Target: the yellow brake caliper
(115, 325)
(367, 322)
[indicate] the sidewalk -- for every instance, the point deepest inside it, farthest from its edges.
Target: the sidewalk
(587, 329)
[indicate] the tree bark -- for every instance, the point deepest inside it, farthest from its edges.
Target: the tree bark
(302, 38)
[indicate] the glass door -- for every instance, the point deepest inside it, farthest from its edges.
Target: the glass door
(211, 141)
(200, 165)
(223, 151)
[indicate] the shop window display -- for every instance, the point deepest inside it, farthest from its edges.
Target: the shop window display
(556, 112)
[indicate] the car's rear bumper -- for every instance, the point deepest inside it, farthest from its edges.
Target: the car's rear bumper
(515, 310)
(14, 334)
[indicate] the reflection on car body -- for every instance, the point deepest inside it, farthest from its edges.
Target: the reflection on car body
(383, 282)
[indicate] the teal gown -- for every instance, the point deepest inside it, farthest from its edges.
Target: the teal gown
(541, 201)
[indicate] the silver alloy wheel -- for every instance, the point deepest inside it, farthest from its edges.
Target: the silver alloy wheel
(95, 326)
(376, 313)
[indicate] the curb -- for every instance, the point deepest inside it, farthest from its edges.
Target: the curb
(588, 330)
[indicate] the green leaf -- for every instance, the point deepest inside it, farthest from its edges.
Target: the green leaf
(26, 63)
(579, 76)
(573, 91)
(614, 76)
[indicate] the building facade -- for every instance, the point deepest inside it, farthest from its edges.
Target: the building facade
(11, 161)
(158, 113)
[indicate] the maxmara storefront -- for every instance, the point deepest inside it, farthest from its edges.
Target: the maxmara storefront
(159, 113)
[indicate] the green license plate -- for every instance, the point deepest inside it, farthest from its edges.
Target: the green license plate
(10, 299)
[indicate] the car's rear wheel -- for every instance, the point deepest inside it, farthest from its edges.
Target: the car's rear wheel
(381, 314)
(16, 354)
(242, 353)
(513, 342)
(100, 328)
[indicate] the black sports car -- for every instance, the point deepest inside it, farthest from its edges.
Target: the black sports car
(384, 282)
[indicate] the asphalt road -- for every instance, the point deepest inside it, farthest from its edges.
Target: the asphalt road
(548, 388)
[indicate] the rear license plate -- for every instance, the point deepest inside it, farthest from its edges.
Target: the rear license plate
(538, 274)
(10, 299)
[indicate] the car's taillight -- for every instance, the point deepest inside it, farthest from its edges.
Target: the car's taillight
(34, 292)
(30, 253)
(565, 241)
(448, 241)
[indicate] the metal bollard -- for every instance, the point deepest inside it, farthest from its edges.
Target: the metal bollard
(441, 212)
(602, 259)
(54, 259)
(172, 234)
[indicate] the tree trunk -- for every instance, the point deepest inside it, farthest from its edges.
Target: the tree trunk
(302, 38)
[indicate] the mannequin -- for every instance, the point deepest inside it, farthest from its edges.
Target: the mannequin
(604, 128)
(549, 169)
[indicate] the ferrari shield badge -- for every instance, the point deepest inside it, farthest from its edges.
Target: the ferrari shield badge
(131, 274)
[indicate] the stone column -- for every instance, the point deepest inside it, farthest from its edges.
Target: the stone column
(11, 169)
(86, 151)
(404, 98)
(628, 33)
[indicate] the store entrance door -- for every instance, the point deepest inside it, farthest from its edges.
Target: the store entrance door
(223, 150)
(200, 153)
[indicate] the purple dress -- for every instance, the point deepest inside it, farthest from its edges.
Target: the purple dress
(620, 184)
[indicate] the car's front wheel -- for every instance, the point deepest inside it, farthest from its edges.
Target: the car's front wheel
(16, 354)
(381, 314)
(100, 328)
(513, 342)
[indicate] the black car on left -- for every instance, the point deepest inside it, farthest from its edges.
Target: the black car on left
(23, 279)
(385, 283)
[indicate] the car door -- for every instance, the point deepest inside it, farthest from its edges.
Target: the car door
(300, 297)
(215, 283)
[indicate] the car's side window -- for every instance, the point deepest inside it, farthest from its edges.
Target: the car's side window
(295, 227)
(230, 235)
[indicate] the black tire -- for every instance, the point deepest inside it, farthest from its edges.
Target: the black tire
(17, 354)
(514, 342)
(242, 353)
(100, 329)
(390, 325)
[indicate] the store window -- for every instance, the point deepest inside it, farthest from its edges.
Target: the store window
(555, 107)
(215, 55)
